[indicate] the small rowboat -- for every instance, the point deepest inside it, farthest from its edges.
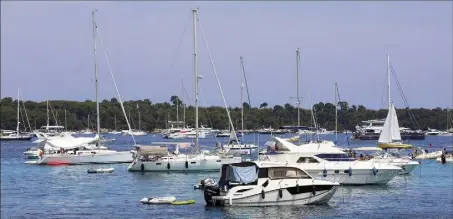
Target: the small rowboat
(188, 202)
(101, 170)
(158, 200)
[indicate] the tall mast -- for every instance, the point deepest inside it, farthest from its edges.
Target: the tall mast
(65, 121)
(48, 118)
(98, 120)
(195, 64)
(388, 79)
(298, 98)
(336, 113)
(242, 102)
(17, 128)
(115, 122)
(183, 105)
(139, 119)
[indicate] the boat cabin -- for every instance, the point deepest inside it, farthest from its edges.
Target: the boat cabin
(249, 173)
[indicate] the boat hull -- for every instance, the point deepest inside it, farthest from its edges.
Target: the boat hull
(68, 159)
(358, 176)
(394, 146)
(208, 165)
(272, 198)
(375, 136)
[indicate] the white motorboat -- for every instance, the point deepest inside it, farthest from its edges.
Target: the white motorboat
(222, 134)
(267, 184)
(405, 163)
(424, 154)
(134, 132)
(323, 161)
(235, 146)
(186, 134)
(32, 153)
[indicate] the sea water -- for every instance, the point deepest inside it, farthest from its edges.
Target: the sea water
(31, 191)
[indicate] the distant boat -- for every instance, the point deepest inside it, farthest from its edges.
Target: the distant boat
(16, 135)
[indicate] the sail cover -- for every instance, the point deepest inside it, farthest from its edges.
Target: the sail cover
(391, 130)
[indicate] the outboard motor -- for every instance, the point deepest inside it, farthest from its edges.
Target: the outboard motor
(210, 191)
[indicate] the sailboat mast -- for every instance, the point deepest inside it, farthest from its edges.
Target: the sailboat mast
(139, 120)
(183, 105)
(98, 120)
(242, 102)
(388, 79)
(194, 11)
(17, 128)
(65, 121)
(115, 122)
(297, 81)
(48, 118)
(336, 112)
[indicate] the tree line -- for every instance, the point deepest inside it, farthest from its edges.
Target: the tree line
(156, 115)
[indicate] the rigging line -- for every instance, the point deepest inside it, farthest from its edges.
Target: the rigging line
(248, 97)
(53, 114)
(179, 46)
(23, 120)
(218, 81)
(114, 82)
(343, 121)
(207, 112)
(411, 115)
(383, 93)
(25, 109)
(311, 108)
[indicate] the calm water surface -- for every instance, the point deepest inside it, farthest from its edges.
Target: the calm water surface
(29, 191)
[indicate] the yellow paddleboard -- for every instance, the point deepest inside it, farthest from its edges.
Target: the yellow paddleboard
(188, 202)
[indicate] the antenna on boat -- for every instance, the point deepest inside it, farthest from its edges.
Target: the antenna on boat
(336, 113)
(96, 76)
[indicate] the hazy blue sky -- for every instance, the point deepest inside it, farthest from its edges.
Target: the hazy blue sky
(46, 50)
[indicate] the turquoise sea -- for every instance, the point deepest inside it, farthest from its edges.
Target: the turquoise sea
(29, 191)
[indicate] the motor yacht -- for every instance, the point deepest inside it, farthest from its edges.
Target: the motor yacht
(267, 184)
(330, 163)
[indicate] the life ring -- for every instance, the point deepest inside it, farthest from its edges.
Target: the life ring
(187, 164)
(168, 166)
(142, 167)
(324, 173)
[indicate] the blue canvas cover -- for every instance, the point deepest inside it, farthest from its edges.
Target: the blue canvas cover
(245, 174)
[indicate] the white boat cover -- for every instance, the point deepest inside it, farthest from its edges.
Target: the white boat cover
(70, 142)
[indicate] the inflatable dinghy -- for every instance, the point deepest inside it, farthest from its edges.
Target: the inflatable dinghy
(100, 170)
(158, 200)
(188, 202)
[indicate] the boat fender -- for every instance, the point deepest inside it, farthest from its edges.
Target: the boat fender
(314, 190)
(142, 167)
(262, 194)
(324, 173)
(280, 192)
(187, 164)
(297, 188)
(350, 171)
(375, 171)
(168, 166)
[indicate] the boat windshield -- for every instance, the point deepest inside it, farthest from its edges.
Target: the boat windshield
(287, 172)
(335, 157)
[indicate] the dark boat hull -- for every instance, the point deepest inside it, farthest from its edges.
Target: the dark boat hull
(375, 136)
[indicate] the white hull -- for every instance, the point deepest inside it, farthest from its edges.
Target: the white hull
(208, 164)
(432, 155)
(358, 177)
(101, 157)
(272, 198)
(406, 165)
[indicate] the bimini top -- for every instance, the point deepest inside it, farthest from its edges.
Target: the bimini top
(153, 150)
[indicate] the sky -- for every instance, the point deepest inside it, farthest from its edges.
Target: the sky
(47, 50)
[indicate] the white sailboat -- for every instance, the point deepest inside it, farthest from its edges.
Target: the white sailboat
(77, 150)
(88, 130)
(390, 136)
(115, 132)
(148, 159)
(16, 135)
